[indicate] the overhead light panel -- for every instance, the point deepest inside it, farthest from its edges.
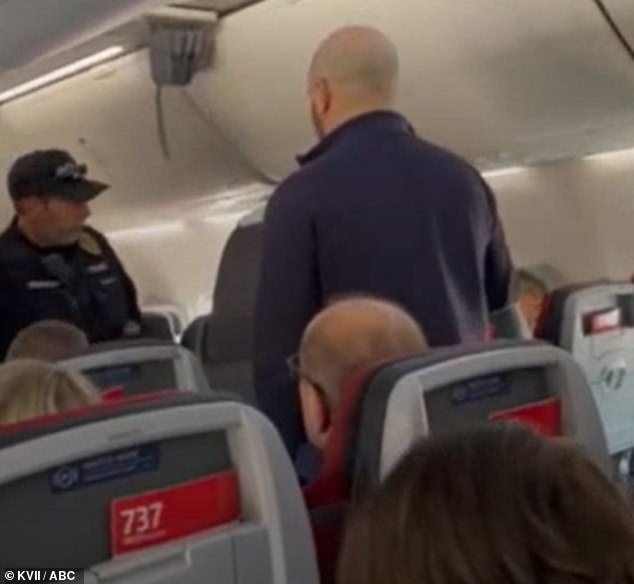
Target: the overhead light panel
(148, 231)
(610, 155)
(507, 171)
(61, 73)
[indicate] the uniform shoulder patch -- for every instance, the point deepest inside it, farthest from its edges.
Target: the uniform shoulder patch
(89, 243)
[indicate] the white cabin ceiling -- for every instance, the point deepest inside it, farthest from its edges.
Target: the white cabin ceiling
(500, 81)
(107, 118)
(32, 29)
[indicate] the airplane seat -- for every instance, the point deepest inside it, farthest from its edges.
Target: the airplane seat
(549, 322)
(457, 387)
(174, 489)
(140, 366)
(386, 408)
(595, 323)
(156, 326)
(228, 365)
(227, 346)
(194, 336)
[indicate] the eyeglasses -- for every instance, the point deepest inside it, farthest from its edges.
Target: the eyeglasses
(292, 363)
(294, 370)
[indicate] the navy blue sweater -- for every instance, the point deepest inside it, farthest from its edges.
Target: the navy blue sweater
(375, 209)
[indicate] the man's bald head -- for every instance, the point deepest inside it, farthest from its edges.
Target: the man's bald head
(351, 334)
(360, 61)
(357, 67)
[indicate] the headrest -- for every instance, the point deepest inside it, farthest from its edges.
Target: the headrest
(156, 326)
(11, 434)
(457, 387)
(550, 321)
(140, 366)
(164, 488)
(236, 282)
(123, 345)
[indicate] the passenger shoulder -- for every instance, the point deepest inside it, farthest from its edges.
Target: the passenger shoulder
(296, 190)
(11, 245)
(456, 168)
(448, 158)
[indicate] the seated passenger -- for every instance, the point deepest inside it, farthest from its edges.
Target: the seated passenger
(495, 505)
(532, 293)
(47, 340)
(347, 336)
(30, 389)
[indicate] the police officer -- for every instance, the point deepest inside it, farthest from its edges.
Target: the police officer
(52, 265)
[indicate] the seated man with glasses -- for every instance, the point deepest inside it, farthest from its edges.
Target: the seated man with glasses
(346, 336)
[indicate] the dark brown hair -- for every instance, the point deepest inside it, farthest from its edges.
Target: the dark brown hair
(495, 505)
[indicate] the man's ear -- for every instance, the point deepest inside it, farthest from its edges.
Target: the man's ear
(322, 96)
(316, 414)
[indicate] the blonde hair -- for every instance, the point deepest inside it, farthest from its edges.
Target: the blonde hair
(30, 389)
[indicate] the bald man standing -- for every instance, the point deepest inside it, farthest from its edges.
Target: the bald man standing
(373, 209)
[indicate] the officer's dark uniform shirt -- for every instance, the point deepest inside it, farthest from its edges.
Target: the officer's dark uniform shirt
(376, 210)
(84, 284)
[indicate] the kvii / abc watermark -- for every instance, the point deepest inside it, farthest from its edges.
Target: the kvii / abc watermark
(43, 576)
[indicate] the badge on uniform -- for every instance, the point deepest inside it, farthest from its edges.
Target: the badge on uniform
(89, 244)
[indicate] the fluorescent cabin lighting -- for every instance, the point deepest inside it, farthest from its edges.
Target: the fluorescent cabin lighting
(61, 73)
(225, 217)
(150, 230)
(507, 171)
(610, 154)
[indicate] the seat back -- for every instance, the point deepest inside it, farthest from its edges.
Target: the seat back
(178, 489)
(450, 389)
(140, 367)
(227, 347)
(595, 323)
(155, 325)
(194, 336)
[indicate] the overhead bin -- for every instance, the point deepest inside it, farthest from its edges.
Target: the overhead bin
(504, 83)
(31, 29)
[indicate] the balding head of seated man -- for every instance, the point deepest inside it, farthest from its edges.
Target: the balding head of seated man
(353, 72)
(47, 340)
(345, 337)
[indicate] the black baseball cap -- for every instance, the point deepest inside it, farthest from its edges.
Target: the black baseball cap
(51, 173)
